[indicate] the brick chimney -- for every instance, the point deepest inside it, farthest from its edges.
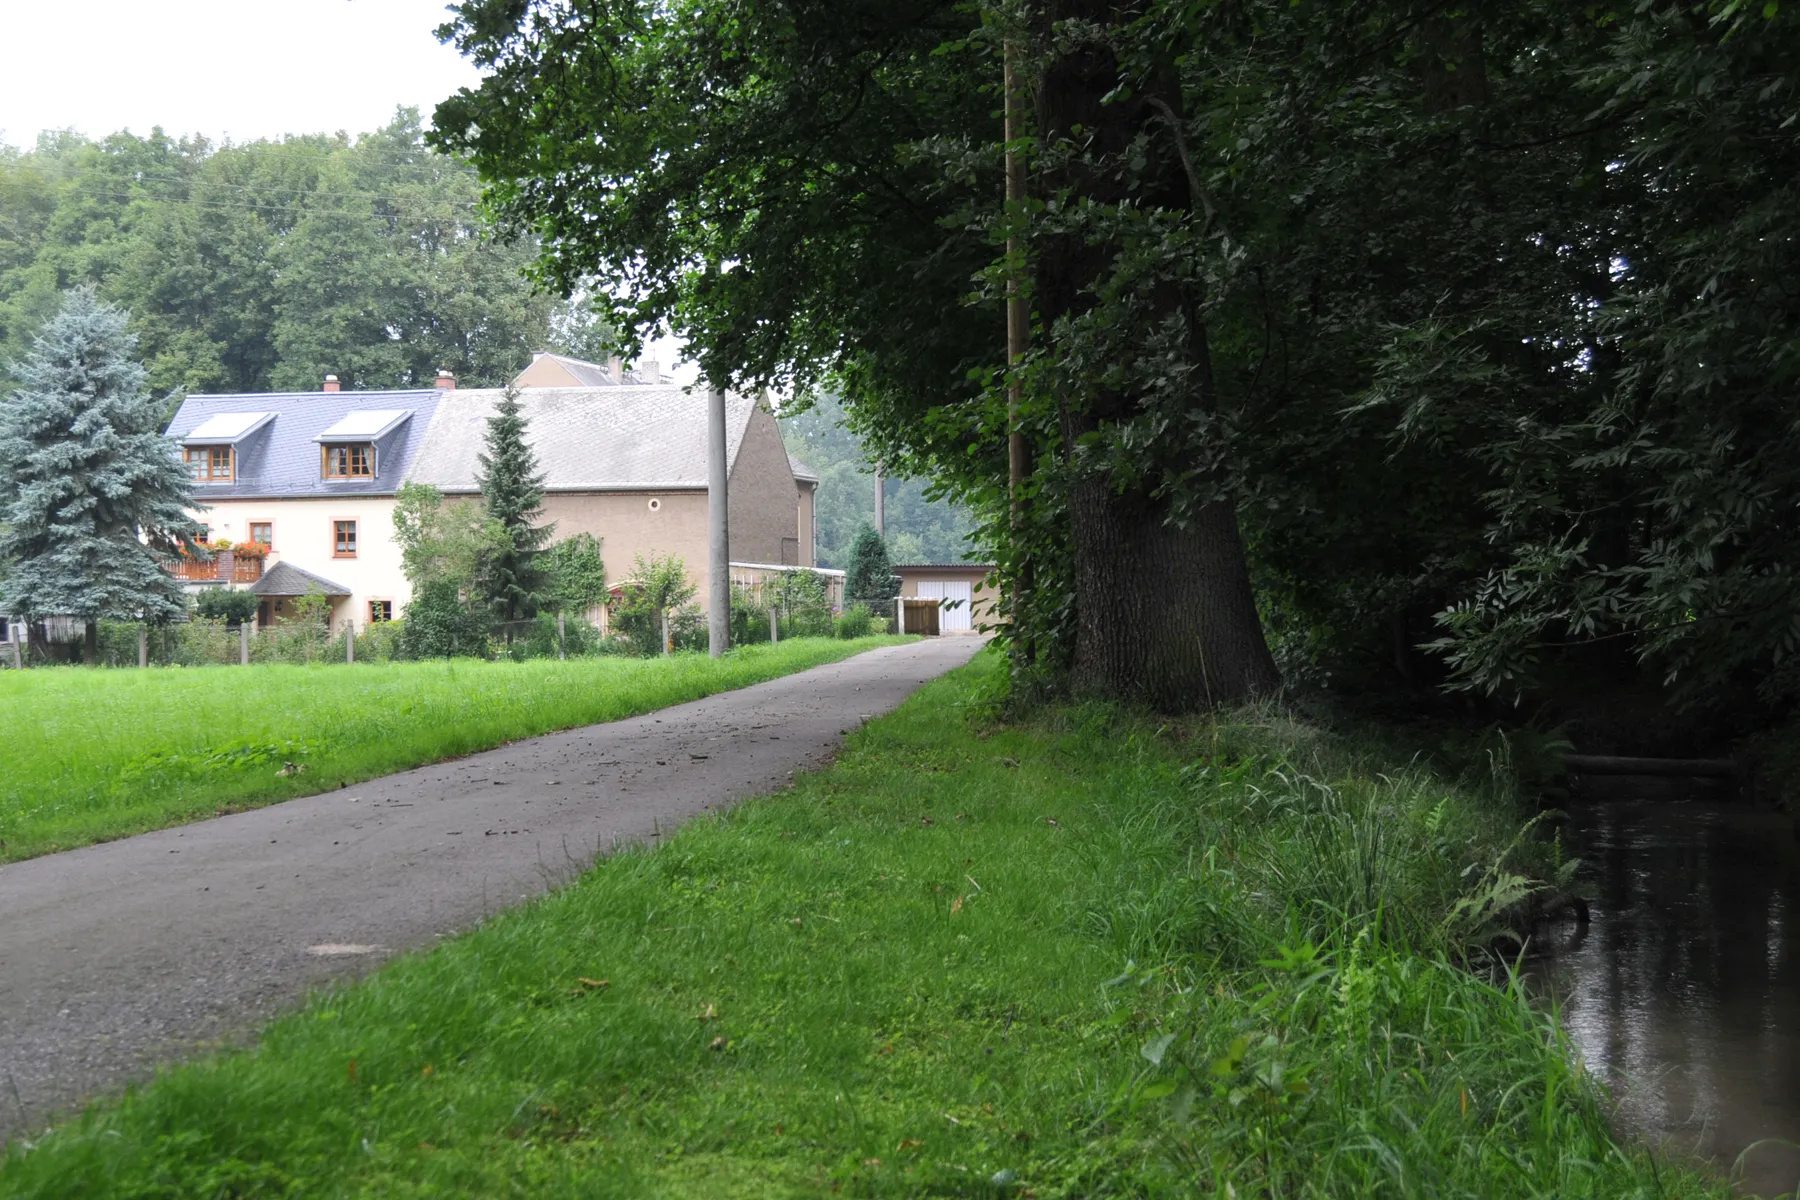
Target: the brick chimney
(649, 370)
(445, 380)
(615, 367)
(331, 384)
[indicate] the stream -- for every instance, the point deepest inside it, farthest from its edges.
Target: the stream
(1683, 993)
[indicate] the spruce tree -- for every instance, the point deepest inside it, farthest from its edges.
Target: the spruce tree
(92, 494)
(870, 579)
(513, 490)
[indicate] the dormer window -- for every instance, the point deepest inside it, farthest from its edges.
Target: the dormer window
(348, 449)
(210, 448)
(211, 464)
(353, 461)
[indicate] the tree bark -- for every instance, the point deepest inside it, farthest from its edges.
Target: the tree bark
(1164, 613)
(90, 643)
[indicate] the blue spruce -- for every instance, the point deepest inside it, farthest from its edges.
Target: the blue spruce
(92, 496)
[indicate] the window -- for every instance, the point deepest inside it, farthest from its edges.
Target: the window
(380, 610)
(264, 532)
(343, 539)
(209, 464)
(355, 461)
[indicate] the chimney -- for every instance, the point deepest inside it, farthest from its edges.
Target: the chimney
(649, 370)
(445, 380)
(615, 367)
(331, 384)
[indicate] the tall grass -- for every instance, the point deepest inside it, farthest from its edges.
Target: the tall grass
(91, 755)
(1077, 956)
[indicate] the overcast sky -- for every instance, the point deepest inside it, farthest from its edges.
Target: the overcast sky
(242, 69)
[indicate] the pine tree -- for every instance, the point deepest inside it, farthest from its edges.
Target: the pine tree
(870, 579)
(513, 490)
(92, 494)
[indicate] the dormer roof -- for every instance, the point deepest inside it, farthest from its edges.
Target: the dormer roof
(226, 428)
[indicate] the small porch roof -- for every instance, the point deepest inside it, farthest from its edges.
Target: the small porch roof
(285, 579)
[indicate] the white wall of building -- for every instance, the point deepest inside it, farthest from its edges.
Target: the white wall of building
(303, 537)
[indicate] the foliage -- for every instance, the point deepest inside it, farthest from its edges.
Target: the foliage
(749, 617)
(441, 623)
(90, 491)
(843, 158)
(919, 526)
(579, 638)
(231, 605)
(1087, 960)
(264, 265)
(855, 622)
(451, 542)
(62, 773)
(512, 488)
(655, 589)
(800, 598)
(575, 573)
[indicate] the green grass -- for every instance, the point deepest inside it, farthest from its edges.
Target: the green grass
(92, 755)
(1077, 956)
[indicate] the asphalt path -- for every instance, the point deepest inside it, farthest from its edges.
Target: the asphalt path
(117, 957)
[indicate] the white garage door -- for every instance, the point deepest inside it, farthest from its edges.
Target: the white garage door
(953, 614)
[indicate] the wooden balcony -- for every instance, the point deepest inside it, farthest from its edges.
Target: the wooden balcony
(223, 567)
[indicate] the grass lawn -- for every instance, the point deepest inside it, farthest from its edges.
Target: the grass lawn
(1079, 956)
(91, 755)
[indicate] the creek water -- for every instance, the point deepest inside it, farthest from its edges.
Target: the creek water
(1683, 991)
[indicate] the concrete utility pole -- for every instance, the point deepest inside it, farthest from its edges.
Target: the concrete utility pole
(880, 502)
(718, 527)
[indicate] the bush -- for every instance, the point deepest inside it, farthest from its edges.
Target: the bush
(856, 622)
(381, 641)
(226, 604)
(580, 639)
(441, 624)
(749, 617)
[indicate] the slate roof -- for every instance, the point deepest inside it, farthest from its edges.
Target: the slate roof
(621, 438)
(285, 579)
(281, 456)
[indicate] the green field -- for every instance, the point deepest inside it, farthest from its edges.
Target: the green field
(1077, 956)
(97, 754)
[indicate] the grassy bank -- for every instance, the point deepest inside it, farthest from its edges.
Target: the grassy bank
(91, 755)
(1075, 957)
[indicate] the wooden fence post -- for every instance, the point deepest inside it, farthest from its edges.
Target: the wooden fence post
(18, 659)
(774, 625)
(668, 647)
(350, 642)
(561, 653)
(243, 643)
(143, 646)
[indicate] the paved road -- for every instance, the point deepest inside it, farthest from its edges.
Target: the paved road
(116, 957)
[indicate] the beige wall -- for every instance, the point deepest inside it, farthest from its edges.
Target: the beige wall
(765, 498)
(303, 538)
(627, 526)
(545, 372)
(809, 499)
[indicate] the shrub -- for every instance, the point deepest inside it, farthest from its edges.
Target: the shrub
(441, 624)
(856, 622)
(226, 604)
(655, 586)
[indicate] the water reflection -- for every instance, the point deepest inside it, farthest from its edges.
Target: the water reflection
(1684, 991)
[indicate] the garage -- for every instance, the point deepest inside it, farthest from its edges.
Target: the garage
(962, 590)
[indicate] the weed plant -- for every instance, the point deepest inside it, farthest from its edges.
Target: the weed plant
(1072, 956)
(95, 755)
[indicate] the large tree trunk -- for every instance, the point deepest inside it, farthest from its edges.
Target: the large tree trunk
(1165, 613)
